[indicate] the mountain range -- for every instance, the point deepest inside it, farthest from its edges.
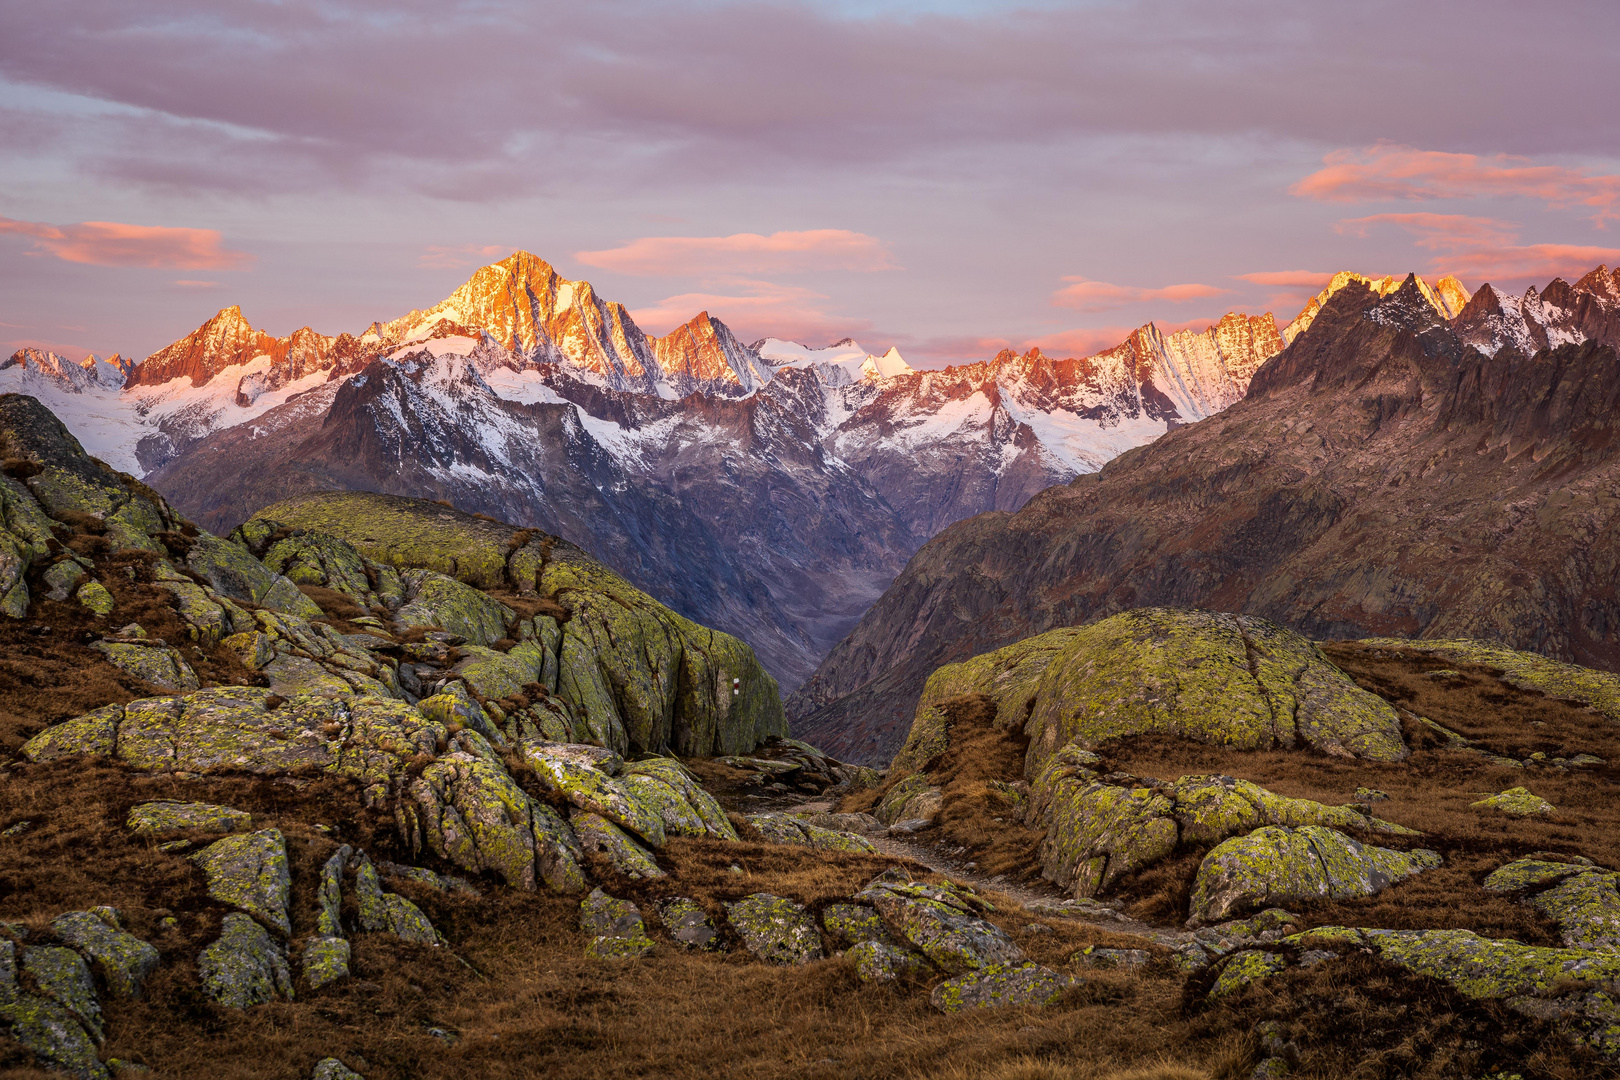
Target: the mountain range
(1413, 464)
(770, 489)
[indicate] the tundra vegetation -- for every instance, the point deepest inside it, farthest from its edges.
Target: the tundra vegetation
(372, 787)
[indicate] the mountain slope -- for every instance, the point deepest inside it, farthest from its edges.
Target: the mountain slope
(1383, 476)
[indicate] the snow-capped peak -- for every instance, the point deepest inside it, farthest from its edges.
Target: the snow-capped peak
(839, 364)
(1447, 297)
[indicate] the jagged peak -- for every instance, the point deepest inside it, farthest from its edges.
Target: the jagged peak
(1447, 298)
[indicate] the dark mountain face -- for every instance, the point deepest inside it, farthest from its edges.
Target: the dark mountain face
(733, 514)
(1383, 476)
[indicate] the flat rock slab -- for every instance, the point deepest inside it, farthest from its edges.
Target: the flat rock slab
(250, 872)
(244, 967)
(1025, 983)
(776, 929)
(165, 817)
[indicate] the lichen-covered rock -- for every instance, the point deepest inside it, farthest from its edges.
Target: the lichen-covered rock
(209, 618)
(597, 833)
(616, 925)
(94, 734)
(329, 894)
(1531, 872)
(1233, 680)
(592, 791)
(663, 801)
(940, 924)
(1098, 830)
(309, 557)
(467, 809)
(892, 807)
(454, 707)
(1581, 898)
(254, 648)
(1010, 983)
(1277, 865)
(861, 824)
(877, 962)
(160, 665)
(166, 817)
(63, 579)
(325, 960)
(1526, 670)
(123, 960)
(775, 929)
(94, 596)
(1515, 801)
(61, 975)
(386, 912)
(1096, 956)
(689, 925)
(51, 1032)
(244, 967)
(851, 924)
(250, 872)
(333, 1069)
(786, 829)
(675, 775)
(1243, 968)
(444, 602)
(502, 674)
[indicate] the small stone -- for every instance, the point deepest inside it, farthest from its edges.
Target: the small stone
(689, 925)
(1367, 794)
(1024, 983)
(333, 1069)
(61, 975)
(911, 825)
(1245, 967)
(325, 960)
(16, 830)
(1096, 956)
(1037, 928)
(1516, 801)
(1312, 957)
(97, 599)
(250, 872)
(389, 912)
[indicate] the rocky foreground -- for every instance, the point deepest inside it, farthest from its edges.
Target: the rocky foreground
(371, 787)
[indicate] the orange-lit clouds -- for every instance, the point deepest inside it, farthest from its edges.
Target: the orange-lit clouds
(1083, 294)
(744, 253)
(1484, 248)
(1295, 279)
(460, 255)
(762, 309)
(112, 243)
(1391, 171)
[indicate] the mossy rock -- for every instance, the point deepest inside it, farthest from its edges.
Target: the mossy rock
(1023, 983)
(51, 1032)
(123, 960)
(62, 975)
(250, 872)
(244, 966)
(881, 962)
(941, 925)
(160, 665)
(166, 817)
(776, 929)
(435, 599)
(1526, 670)
(673, 774)
(1245, 967)
(94, 597)
(1532, 872)
(1273, 865)
(1517, 802)
(386, 912)
(688, 925)
(597, 833)
(1231, 680)
(324, 961)
(851, 924)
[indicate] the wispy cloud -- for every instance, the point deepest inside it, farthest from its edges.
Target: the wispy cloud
(184, 283)
(113, 243)
(458, 255)
(1392, 171)
(1084, 294)
(744, 253)
(758, 309)
(1294, 279)
(1477, 248)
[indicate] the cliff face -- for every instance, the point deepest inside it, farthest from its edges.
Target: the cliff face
(1382, 477)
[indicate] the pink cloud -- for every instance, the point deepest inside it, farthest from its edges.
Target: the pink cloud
(1392, 171)
(1086, 295)
(744, 253)
(187, 284)
(112, 243)
(1484, 248)
(763, 309)
(459, 255)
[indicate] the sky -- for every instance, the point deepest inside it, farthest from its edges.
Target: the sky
(951, 177)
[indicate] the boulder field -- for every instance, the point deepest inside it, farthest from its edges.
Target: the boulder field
(370, 787)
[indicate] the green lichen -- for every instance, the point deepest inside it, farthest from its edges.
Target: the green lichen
(94, 597)
(1526, 670)
(161, 666)
(165, 817)
(851, 924)
(1516, 801)
(1586, 908)
(324, 961)
(880, 961)
(688, 925)
(1233, 680)
(244, 967)
(124, 960)
(1024, 983)
(939, 923)
(593, 791)
(1530, 873)
(895, 799)
(675, 775)
(775, 929)
(250, 872)
(389, 913)
(61, 975)
(597, 833)
(1245, 967)
(440, 600)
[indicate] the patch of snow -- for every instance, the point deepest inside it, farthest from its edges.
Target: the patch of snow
(527, 387)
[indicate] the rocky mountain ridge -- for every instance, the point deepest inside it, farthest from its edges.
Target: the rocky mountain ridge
(770, 489)
(1383, 475)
